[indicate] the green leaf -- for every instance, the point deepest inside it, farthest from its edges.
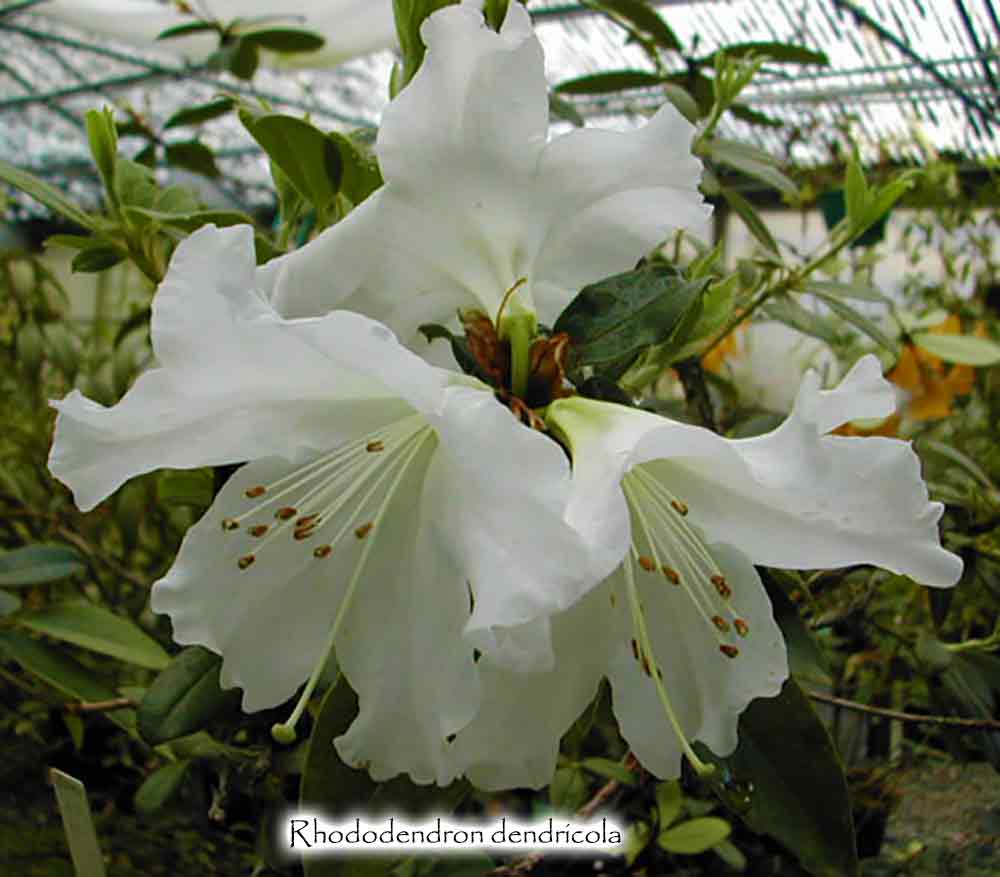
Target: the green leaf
(754, 117)
(45, 194)
(9, 603)
(788, 767)
(36, 564)
(962, 349)
(78, 823)
(858, 320)
(239, 57)
(806, 658)
(185, 697)
(136, 184)
(694, 836)
(98, 629)
(307, 156)
(776, 53)
(183, 30)
(686, 105)
(752, 162)
(569, 790)
(855, 193)
(615, 319)
(198, 114)
(286, 40)
(103, 137)
(643, 19)
(609, 81)
(755, 225)
(193, 156)
(187, 487)
(785, 309)
(669, 800)
(361, 174)
(846, 290)
(191, 221)
(612, 770)
(66, 675)
(564, 109)
(96, 257)
(409, 16)
(160, 786)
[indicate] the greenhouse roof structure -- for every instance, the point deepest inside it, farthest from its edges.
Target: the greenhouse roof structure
(903, 76)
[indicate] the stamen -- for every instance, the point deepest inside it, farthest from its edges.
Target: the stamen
(672, 574)
(254, 492)
(679, 507)
(230, 524)
(722, 586)
(742, 628)
(647, 563)
(258, 530)
(303, 533)
(307, 521)
(364, 530)
(375, 447)
(729, 651)
(323, 551)
(286, 513)
(635, 649)
(245, 561)
(720, 623)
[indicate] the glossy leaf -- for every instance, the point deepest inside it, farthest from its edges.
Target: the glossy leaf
(776, 53)
(98, 629)
(36, 564)
(785, 779)
(183, 30)
(160, 786)
(643, 19)
(185, 697)
(694, 836)
(609, 81)
(193, 156)
(96, 257)
(615, 319)
(286, 40)
(199, 114)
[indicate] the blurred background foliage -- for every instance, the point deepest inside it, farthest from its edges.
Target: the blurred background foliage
(905, 680)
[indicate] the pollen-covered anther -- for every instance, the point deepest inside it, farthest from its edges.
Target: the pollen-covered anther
(375, 447)
(672, 575)
(307, 521)
(647, 563)
(303, 533)
(364, 530)
(679, 507)
(646, 668)
(245, 561)
(286, 513)
(322, 551)
(258, 530)
(635, 649)
(254, 492)
(742, 628)
(729, 651)
(722, 586)
(720, 623)
(230, 524)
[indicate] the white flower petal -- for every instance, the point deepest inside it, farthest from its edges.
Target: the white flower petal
(223, 393)
(707, 690)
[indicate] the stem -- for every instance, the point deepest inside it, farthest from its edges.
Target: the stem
(917, 718)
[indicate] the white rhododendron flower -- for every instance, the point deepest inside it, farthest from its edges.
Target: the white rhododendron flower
(684, 629)
(350, 27)
(390, 508)
(476, 201)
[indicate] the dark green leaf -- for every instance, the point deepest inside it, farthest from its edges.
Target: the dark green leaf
(45, 194)
(604, 389)
(309, 158)
(361, 174)
(193, 156)
(160, 786)
(622, 315)
(183, 30)
(569, 790)
(138, 320)
(239, 57)
(185, 697)
(97, 257)
(199, 114)
(612, 770)
(66, 675)
(643, 19)
(788, 766)
(146, 156)
(609, 81)
(410, 15)
(780, 53)
(806, 658)
(754, 117)
(9, 603)
(98, 629)
(564, 109)
(36, 564)
(745, 210)
(286, 40)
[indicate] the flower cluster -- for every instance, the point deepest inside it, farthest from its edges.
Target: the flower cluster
(477, 573)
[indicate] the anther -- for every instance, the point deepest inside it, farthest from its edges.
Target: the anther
(303, 533)
(729, 651)
(258, 530)
(679, 507)
(322, 551)
(364, 530)
(375, 447)
(230, 524)
(613, 599)
(646, 668)
(742, 628)
(285, 513)
(254, 492)
(720, 623)
(722, 586)
(647, 563)
(245, 561)
(306, 521)
(635, 650)
(450, 738)
(672, 575)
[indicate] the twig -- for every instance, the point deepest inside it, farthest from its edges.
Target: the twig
(109, 562)
(101, 706)
(944, 721)
(524, 866)
(696, 392)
